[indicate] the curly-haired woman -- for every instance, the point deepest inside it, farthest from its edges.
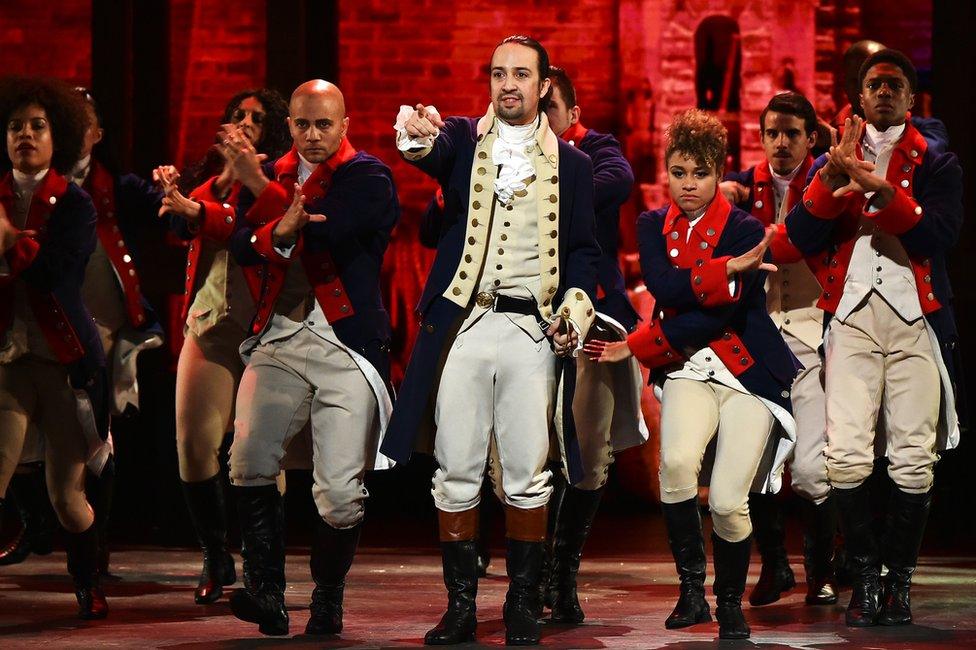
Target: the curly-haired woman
(218, 308)
(722, 367)
(51, 360)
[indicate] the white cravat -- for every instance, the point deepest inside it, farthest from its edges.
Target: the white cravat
(305, 169)
(781, 185)
(511, 150)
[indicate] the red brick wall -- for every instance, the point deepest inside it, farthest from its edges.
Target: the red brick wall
(50, 39)
(217, 49)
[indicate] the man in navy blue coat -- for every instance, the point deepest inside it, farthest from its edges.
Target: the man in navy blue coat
(607, 400)
(320, 354)
(876, 222)
(515, 272)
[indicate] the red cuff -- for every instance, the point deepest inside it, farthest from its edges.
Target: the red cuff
(783, 250)
(21, 255)
(711, 283)
(216, 220)
(651, 346)
(263, 242)
(270, 204)
(820, 201)
(899, 216)
(205, 192)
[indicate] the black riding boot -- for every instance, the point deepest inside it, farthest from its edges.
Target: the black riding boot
(38, 520)
(262, 600)
(208, 512)
(333, 550)
(688, 549)
(731, 568)
(82, 552)
(904, 527)
(575, 521)
(819, 528)
(523, 562)
(459, 555)
(776, 577)
(100, 490)
(854, 508)
(556, 499)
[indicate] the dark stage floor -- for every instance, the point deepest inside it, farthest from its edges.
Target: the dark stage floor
(394, 597)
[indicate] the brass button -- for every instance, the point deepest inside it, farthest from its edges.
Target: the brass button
(554, 180)
(501, 251)
(553, 198)
(471, 240)
(579, 295)
(552, 252)
(456, 291)
(478, 187)
(554, 234)
(476, 205)
(467, 258)
(504, 237)
(553, 270)
(481, 171)
(481, 154)
(474, 222)
(463, 275)
(552, 216)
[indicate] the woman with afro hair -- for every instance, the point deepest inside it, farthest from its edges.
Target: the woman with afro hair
(52, 366)
(218, 308)
(721, 369)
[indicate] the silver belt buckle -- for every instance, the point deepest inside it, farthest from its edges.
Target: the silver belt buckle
(485, 299)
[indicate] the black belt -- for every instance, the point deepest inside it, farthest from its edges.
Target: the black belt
(511, 305)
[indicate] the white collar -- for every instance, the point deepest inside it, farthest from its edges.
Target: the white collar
(516, 134)
(787, 177)
(696, 216)
(81, 170)
(305, 169)
(27, 182)
(879, 140)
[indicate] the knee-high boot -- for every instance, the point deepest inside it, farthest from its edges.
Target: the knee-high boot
(687, 544)
(208, 512)
(38, 520)
(776, 577)
(525, 530)
(854, 507)
(459, 555)
(575, 522)
(333, 550)
(262, 600)
(819, 528)
(904, 527)
(82, 552)
(731, 568)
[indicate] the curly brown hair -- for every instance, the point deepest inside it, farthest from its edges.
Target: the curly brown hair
(700, 136)
(65, 113)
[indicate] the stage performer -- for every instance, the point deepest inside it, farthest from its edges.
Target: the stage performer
(878, 217)
(606, 407)
(320, 350)
(788, 132)
(218, 308)
(724, 371)
(508, 300)
(52, 367)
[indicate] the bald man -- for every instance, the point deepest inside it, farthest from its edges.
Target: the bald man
(314, 226)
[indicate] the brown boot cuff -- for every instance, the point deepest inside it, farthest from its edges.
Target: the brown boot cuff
(526, 525)
(458, 526)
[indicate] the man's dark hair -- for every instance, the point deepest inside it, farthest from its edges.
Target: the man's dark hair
(791, 103)
(560, 80)
(530, 42)
(894, 57)
(65, 114)
(275, 138)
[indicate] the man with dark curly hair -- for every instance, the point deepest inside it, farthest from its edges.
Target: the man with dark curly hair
(52, 366)
(721, 366)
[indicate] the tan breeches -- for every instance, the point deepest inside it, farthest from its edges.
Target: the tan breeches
(876, 363)
(694, 412)
(808, 468)
(35, 391)
(207, 377)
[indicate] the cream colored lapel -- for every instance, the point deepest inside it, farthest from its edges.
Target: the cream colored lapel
(547, 198)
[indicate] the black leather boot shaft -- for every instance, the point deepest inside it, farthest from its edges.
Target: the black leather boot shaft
(854, 509)
(819, 528)
(333, 550)
(101, 492)
(578, 511)
(208, 512)
(776, 577)
(28, 492)
(687, 544)
(82, 552)
(523, 562)
(459, 622)
(731, 568)
(904, 529)
(559, 489)
(262, 600)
